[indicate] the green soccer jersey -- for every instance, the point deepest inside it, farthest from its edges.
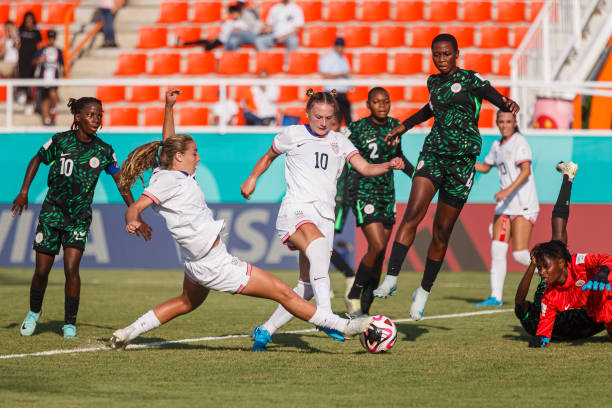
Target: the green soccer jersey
(455, 103)
(369, 138)
(73, 174)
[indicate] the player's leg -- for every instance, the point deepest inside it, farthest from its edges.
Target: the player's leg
(72, 290)
(522, 226)
(560, 213)
(336, 259)
(367, 297)
(193, 296)
(421, 194)
(502, 229)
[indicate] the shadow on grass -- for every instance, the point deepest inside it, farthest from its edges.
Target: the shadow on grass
(413, 331)
(521, 335)
(466, 300)
(54, 326)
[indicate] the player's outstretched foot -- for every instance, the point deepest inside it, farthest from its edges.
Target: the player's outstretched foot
(334, 334)
(568, 169)
(357, 326)
(419, 298)
(387, 288)
(261, 338)
(69, 331)
(29, 323)
(490, 301)
(120, 339)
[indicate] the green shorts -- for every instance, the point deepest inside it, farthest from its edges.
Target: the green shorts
(49, 239)
(368, 210)
(453, 176)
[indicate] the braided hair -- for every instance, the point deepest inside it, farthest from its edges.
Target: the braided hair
(77, 105)
(321, 97)
(554, 249)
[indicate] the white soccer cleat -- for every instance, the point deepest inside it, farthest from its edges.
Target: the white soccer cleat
(387, 288)
(568, 169)
(356, 326)
(347, 288)
(120, 339)
(419, 298)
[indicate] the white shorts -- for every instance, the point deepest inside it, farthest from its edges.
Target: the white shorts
(292, 216)
(529, 216)
(219, 271)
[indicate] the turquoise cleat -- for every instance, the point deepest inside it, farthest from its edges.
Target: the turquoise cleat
(29, 323)
(261, 339)
(69, 331)
(334, 334)
(490, 301)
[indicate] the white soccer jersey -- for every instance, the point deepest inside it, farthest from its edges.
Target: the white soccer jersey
(507, 158)
(180, 200)
(313, 165)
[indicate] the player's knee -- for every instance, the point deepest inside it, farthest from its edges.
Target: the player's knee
(442, 233)
(522, 257)
(376, 248)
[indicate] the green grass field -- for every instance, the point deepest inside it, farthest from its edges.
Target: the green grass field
(480, 360)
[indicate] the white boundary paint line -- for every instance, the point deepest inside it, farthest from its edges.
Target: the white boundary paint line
(231, 336)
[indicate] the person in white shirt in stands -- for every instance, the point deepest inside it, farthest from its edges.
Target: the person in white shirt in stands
(261, 107)
(517, 202)
(9, 50)
(335, 65)
(176, 196)
(253, 26)
(315, 157)
(283, 24)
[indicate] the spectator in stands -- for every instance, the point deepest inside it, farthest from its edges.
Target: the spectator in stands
(108, 22)
(253, 27)
(232, 26)
(50, 63)
(29, 38)
(9, 50)
(335, 65)
(283, 24)
(225, 112)
(260, 107)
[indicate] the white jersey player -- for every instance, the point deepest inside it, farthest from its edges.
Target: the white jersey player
(314, 160)
(177, 197)
(517, 202)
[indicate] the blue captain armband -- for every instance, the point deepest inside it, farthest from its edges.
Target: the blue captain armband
(112, 168)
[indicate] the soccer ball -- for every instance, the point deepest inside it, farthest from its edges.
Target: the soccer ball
(380, 335)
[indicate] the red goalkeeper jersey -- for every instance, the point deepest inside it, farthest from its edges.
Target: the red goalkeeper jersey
(570, 295)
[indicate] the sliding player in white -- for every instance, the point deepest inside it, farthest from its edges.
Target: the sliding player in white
(314, 160)
(517, 202)
(177, 197)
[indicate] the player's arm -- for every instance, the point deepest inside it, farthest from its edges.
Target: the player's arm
(367, 169)
(546, 324)
(168, 126)
(419, 117)
(21, 201)
(248, 187)
(408, 167)
(523, 175)
(144, 229)
(481, 167)
(492, 95)
(521, 307)
(133, 222)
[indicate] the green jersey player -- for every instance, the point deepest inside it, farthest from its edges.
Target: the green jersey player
(75, 158)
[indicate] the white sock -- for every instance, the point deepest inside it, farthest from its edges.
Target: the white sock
(325, 318)
(143, 324)
(522, 257)
(498, 268)
(318, 256)
(281, 316)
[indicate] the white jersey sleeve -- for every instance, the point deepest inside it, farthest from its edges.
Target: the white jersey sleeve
(284, 141)
(490, 158)
(522, 152)
(162, 188)
(347, 148)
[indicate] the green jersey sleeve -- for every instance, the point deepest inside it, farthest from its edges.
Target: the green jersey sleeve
(48, 151)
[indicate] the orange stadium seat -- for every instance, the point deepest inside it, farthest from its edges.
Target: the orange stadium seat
(358, 94)
(361, 112)
(131, 64)
(390, 36)
(296, 111)
(463, 34)
(265, 7)
(442, 11)
(419, 94)
(357, 36)
(165, 64)
(313, 10)
(534, 9)
(173, 12)
(494, 36)
(153, 116)
(233, 63)
(288, 93)
(372, 63)
(110, 93)
(144, 93)
(519, 33)
(423, 35)
(200, 63)
(192, 116)
(187, 92)
(375, 10)
(209, 93)
(22, 8)
(510, 11)
(407, 63)
(476, 11)
(152, 37)
(187, 33)
(5, 13)
(213, 32)
(2, 93)
(396, 93)
(409, 11)
(206, 11)
(241, 92)
(479, 62)
(401, 112)
(123, 116)
(503, 64)
(321, 36)
(56, 12)
(340, 10)
(270, 61)
(303, 63)
(486, 118)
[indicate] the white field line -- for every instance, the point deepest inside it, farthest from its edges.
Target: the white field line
(231, 336)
